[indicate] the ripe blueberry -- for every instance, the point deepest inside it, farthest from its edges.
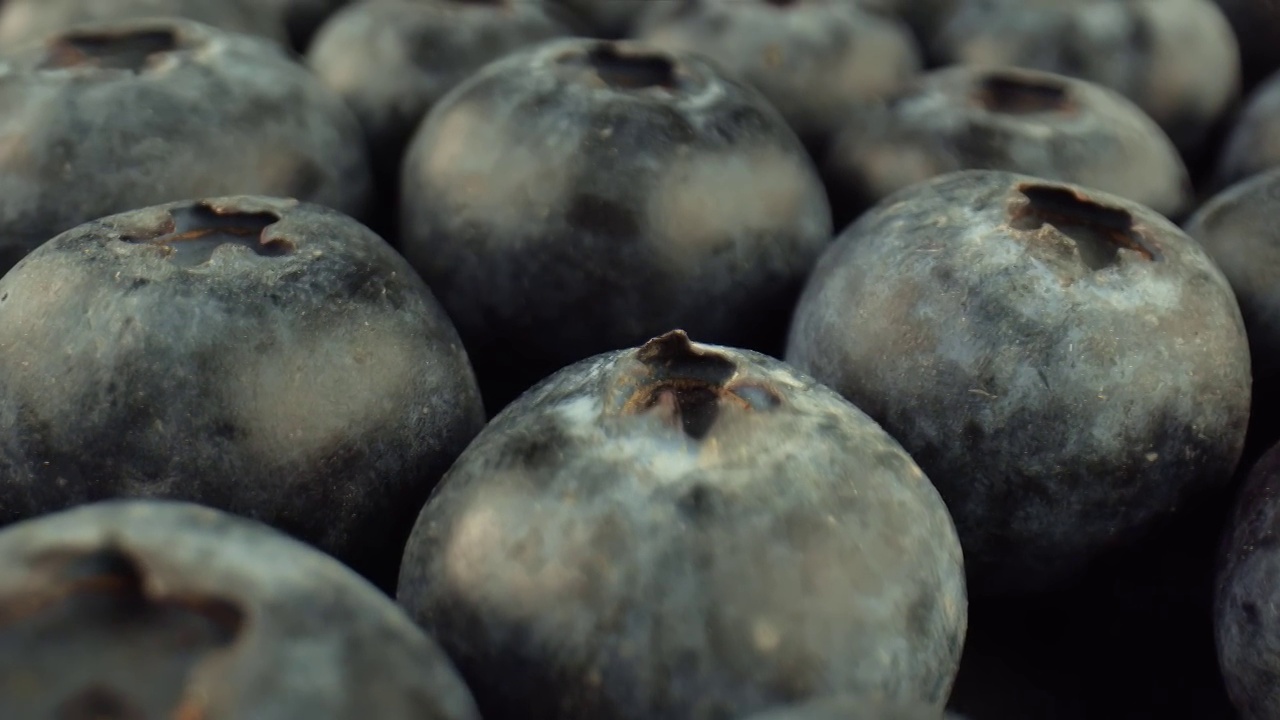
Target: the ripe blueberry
(22, 21)
(583, 196)
(1247, 601)
(686, 530)
(1176, 59)
(813, 59)
(125, 115)
(150, 609)
(1067, 366)
(269, 358)
(1023, 121)
(391, 60)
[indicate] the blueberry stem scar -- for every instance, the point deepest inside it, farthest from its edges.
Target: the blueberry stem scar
(198, 230)
(1016, 95)
(1098, 231)
(117, 51)
(689, 387)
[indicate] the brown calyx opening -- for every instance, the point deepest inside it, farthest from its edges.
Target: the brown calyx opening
(689, 387)
(99, 645)
(117, 51)
(1021, 95)
(632, 70)
(198, 230)
(1098, 231)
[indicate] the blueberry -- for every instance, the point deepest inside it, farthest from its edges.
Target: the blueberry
(1178, 60)
(130, 114)
(686, 530)
(1067, 366)
(606, 18)
(151, 609)
(22, 21)
(1253, 144)
(391, 60)
(270, 358)
(1247, 607)
(813, 59)
(1237, 229)
(1023, 121)
(584, 196)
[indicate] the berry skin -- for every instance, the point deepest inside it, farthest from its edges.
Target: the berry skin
(1253, 144)
(814, 60)
(1246, 620)
(686, 530)
(1067, 366)
(126, 115)
(22, 21)
(153, 609)
(391, 60)
(1176, 59)
(1016, 120)
(583, 196)
(269, 358)
(1237, 229)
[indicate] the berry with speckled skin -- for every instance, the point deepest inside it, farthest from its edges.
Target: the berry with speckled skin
(150, 609)
(273, 359)
(583, 196)
(1253, 144)
(1016, 120)
(1237, 228)
(1176, 59)
(1067, 366)
(391, 60)
(135, 113)
(814, 60)
(1247, 599)
(686, 530)
(25, 21)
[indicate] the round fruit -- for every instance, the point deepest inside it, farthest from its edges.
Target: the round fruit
(1253, 144)
(1176, 59)
(1067, 366)
(815, 60)
(686, 530)
(24, 21)
(583, 196)
(1237, 229)
(169, 610)
(1247, 608)
(269, 358)
(1023, 121)
(391, 60)
(126, 115)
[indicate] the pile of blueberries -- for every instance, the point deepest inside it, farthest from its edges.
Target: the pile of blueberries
(639, 359)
